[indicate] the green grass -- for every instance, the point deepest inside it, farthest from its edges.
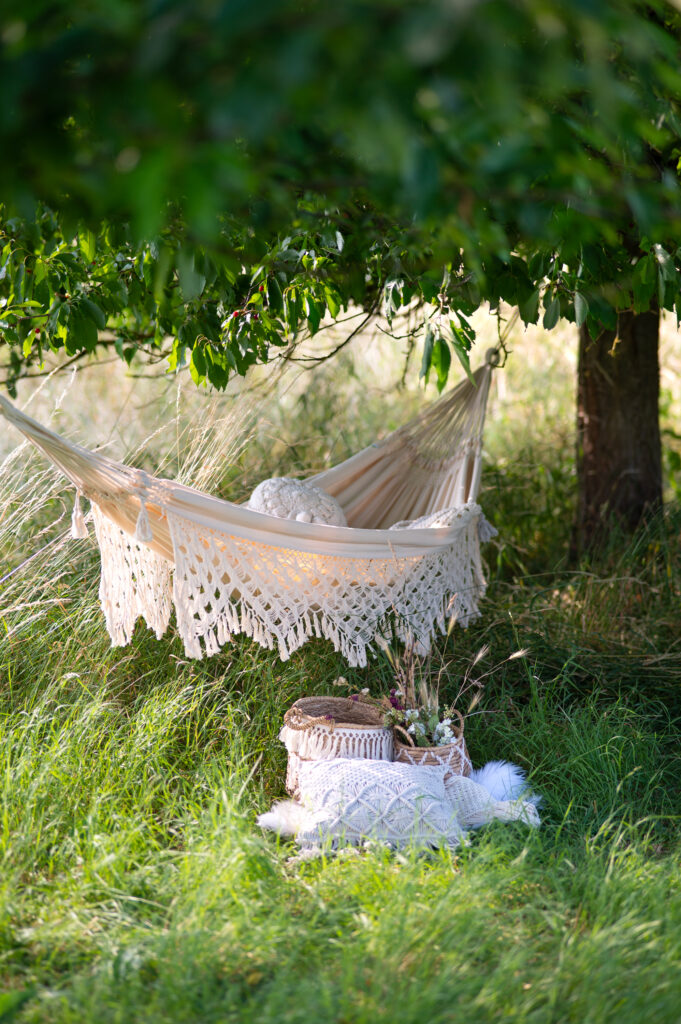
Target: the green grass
(134, 883)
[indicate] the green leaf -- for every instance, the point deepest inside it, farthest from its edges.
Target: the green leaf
(127, 352)
(461, 346)
(665, 263)
(594, 327)
(581, 309)
(314, 311)
(117, 294)
(552, 314)
(88, 244)
(644, 269)
(188, 332)
(441, 360)
(275, 299)
(430, 288)
(529, 308)
(82, 332)
(603, 312)
(40, 272)
(333, 301)
(427, 353)
(191, 281)
(41, 292)
(94, 312)
(643, 284)
(292, 308)
(161, 271)
(197, 365)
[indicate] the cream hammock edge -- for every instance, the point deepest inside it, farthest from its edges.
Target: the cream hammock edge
(227, 569)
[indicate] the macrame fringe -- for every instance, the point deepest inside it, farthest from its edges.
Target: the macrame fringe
(224, 585)
(321, 743)
(134, 582)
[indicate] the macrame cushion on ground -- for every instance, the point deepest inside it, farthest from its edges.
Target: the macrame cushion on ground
(355, 800)
(352, 801)
(294, 499)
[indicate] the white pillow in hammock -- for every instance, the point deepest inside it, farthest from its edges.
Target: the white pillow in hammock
(442, 517)
(447, 517)
(287, 498)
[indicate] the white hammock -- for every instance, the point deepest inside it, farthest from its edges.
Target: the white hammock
(228, 569)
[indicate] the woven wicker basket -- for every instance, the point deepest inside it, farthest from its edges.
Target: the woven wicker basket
(322, 728)
(453, 756)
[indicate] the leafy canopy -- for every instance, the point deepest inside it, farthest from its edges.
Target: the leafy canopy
(205, 181)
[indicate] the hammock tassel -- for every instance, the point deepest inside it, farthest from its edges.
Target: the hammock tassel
(143, 534)
(485, 529)
(78, 527)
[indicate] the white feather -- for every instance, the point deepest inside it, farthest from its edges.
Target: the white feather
(504, 781)
(287, 818)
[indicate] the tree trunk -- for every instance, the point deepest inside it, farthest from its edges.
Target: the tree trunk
(619, 463)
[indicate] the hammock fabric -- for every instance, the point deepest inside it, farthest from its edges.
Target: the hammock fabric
(228, 569)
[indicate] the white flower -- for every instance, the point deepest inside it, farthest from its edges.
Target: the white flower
(442, 734)
(364, 691)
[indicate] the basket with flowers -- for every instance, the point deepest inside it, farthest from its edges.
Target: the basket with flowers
(426, 733)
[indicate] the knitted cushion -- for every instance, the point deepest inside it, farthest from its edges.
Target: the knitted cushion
(351, 801)
(443, 517)
(447, 517)
(294, 499)
(355, 800)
